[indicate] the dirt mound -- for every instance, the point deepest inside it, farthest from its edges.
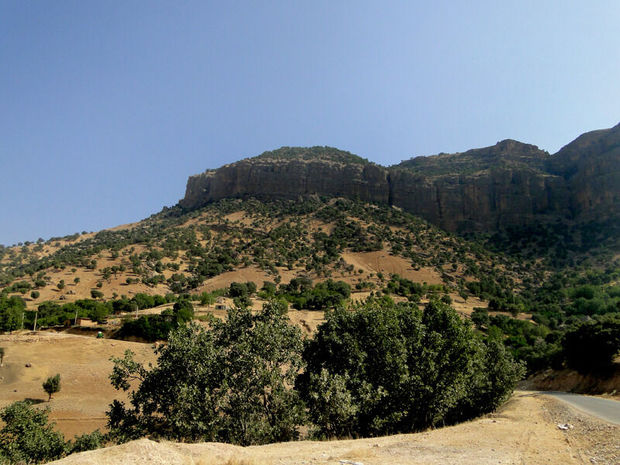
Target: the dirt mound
(573, 381)
(523, 431)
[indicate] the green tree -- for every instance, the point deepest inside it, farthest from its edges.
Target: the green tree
(229, 383)
(11, 312)
(332, 405)
(592, 346)
(95, 294)
(207, 299)
(1, 355)
(480, 317)
(52, 385)
(27, 437)
(183, 310)
(396, 369)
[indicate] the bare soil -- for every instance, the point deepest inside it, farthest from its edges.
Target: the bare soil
(382, 262)
(524, 431)
(84, 366)
(573, 381)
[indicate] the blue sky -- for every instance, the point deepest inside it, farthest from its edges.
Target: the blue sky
(108, 107)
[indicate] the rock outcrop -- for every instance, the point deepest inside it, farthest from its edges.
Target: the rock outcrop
(507, 184)
(591, 167)
(273, 178)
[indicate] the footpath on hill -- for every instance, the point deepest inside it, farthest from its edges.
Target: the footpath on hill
(531, 428)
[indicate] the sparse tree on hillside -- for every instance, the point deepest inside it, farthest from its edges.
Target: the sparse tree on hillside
(1, 355)
(95, 294)
(52, 385)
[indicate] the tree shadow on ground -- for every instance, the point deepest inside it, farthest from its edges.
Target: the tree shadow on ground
(32, 401)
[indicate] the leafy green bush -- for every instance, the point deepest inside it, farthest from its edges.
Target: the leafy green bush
(229, 383)
(27, 436)
(86, 441)
(592, 345)
(52, 385)
(157, 327)
(396, 369)
(11, 311)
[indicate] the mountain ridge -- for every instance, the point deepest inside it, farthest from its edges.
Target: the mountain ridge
(508, 184)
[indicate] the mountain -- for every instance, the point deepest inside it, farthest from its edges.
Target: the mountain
(318, 229)
(590, 166)
(505, 185)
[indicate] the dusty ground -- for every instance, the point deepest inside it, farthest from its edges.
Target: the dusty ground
(382, 262)
(84, 365)
(524, 431)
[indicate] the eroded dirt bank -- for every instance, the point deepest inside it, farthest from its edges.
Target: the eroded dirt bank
(524, 431)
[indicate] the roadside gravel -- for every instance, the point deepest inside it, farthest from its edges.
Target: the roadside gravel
(592, 440)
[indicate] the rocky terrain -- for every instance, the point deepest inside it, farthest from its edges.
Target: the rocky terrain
(507, 184)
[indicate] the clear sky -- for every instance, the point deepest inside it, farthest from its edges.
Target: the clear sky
(106, 107)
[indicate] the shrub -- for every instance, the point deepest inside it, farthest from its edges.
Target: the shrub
(229, 383)
(96, 294)
(27, 436)
(396, 369)
(591, 346)
(86, 441)
(52, 385)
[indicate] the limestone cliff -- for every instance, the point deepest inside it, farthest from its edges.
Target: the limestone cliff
(507, 184)
(591, 167)
(270, 176)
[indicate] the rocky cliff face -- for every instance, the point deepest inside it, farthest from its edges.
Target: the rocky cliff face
(507, 184)
(591, 167)
(291, 178)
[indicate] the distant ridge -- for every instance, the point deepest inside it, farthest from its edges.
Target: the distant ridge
(507, 184)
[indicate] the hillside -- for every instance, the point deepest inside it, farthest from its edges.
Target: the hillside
(524, 245)
(235, 240)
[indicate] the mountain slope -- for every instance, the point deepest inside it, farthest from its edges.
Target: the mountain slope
(235, 240)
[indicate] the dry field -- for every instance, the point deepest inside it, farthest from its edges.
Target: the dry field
(84, 365)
